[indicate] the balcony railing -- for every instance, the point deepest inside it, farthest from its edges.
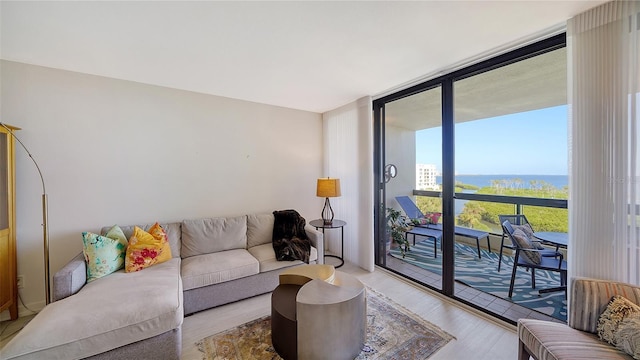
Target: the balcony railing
(517, 201)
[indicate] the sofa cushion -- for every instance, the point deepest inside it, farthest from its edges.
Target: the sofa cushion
(206, 236)
(209, 269)
(171, 229)
(267, 258)
(550, 340)
(87, 331)
(259, 229)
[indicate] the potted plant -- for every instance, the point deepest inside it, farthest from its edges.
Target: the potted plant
(397, 226)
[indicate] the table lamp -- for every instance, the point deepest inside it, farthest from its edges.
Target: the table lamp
(328, 188)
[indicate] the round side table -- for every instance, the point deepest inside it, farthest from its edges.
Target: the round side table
(319, 224)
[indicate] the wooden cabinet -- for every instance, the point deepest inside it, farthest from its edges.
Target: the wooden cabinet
(8, 268)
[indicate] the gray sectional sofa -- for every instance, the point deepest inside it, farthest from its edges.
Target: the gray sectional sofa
(139, 315)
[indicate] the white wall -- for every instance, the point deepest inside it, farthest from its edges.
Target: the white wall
(348, 149)
(119, 152)
(400, 150)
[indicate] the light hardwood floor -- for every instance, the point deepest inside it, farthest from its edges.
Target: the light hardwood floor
(477, 336)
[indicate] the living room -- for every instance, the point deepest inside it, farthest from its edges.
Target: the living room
(139, 112)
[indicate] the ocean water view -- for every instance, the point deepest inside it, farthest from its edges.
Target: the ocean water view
(558, 181)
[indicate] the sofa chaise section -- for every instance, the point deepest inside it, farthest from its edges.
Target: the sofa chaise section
(111, 312)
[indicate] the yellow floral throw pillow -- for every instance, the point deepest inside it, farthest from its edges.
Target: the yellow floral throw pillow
(147, 248)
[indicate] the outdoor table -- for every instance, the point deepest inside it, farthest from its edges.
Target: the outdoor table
(558, 239)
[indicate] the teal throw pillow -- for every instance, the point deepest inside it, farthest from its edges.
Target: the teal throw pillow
(103, 255)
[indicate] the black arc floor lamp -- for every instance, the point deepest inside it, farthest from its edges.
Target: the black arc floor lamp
(45, 211)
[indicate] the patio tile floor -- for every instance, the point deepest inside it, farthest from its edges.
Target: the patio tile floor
(484, 301)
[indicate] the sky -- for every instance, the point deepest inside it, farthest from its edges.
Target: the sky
(527, 143)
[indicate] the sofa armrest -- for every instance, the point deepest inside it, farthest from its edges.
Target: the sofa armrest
(589, 298)
(70, 279)
(317, 240)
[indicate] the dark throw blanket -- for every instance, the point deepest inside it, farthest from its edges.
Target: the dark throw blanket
(290, 241)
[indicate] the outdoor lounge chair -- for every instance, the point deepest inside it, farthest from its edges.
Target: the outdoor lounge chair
(414, 213)
(522, 259)
(410, 208)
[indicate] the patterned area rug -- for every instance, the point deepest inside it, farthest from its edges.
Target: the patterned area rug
(393, 332)
(482, 274)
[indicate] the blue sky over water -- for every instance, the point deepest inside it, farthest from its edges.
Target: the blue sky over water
(533, 142)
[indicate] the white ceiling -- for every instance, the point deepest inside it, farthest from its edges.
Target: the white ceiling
(313, 56)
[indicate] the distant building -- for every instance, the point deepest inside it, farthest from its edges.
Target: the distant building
(426, 177)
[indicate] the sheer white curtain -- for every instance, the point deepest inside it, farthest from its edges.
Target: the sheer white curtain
(348, 155)
(604, 78)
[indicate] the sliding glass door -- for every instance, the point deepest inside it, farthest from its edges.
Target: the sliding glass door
(436, 140)
(511, 142)
(413, 152)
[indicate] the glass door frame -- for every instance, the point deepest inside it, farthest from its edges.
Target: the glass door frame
(446, 82)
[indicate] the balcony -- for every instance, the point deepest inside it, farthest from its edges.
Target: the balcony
(477, 280)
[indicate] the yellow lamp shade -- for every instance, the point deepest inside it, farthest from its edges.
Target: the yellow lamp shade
(328, 187)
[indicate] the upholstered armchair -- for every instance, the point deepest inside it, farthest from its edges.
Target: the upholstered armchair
(578, 339)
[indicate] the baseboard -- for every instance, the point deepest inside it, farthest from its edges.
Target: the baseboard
(33, 308)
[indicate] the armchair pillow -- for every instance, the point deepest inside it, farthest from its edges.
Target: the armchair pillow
(617, 311)
(526, 228)
(628, 336)
(524, 243)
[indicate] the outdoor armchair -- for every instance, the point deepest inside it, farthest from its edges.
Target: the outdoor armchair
(519, 219)
(530, 257)
(577, 339)
(514, 220)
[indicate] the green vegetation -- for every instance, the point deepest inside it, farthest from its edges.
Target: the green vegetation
(397, 226)
(541, 218)
(460, 186)
(483, 215)
(429, 204)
